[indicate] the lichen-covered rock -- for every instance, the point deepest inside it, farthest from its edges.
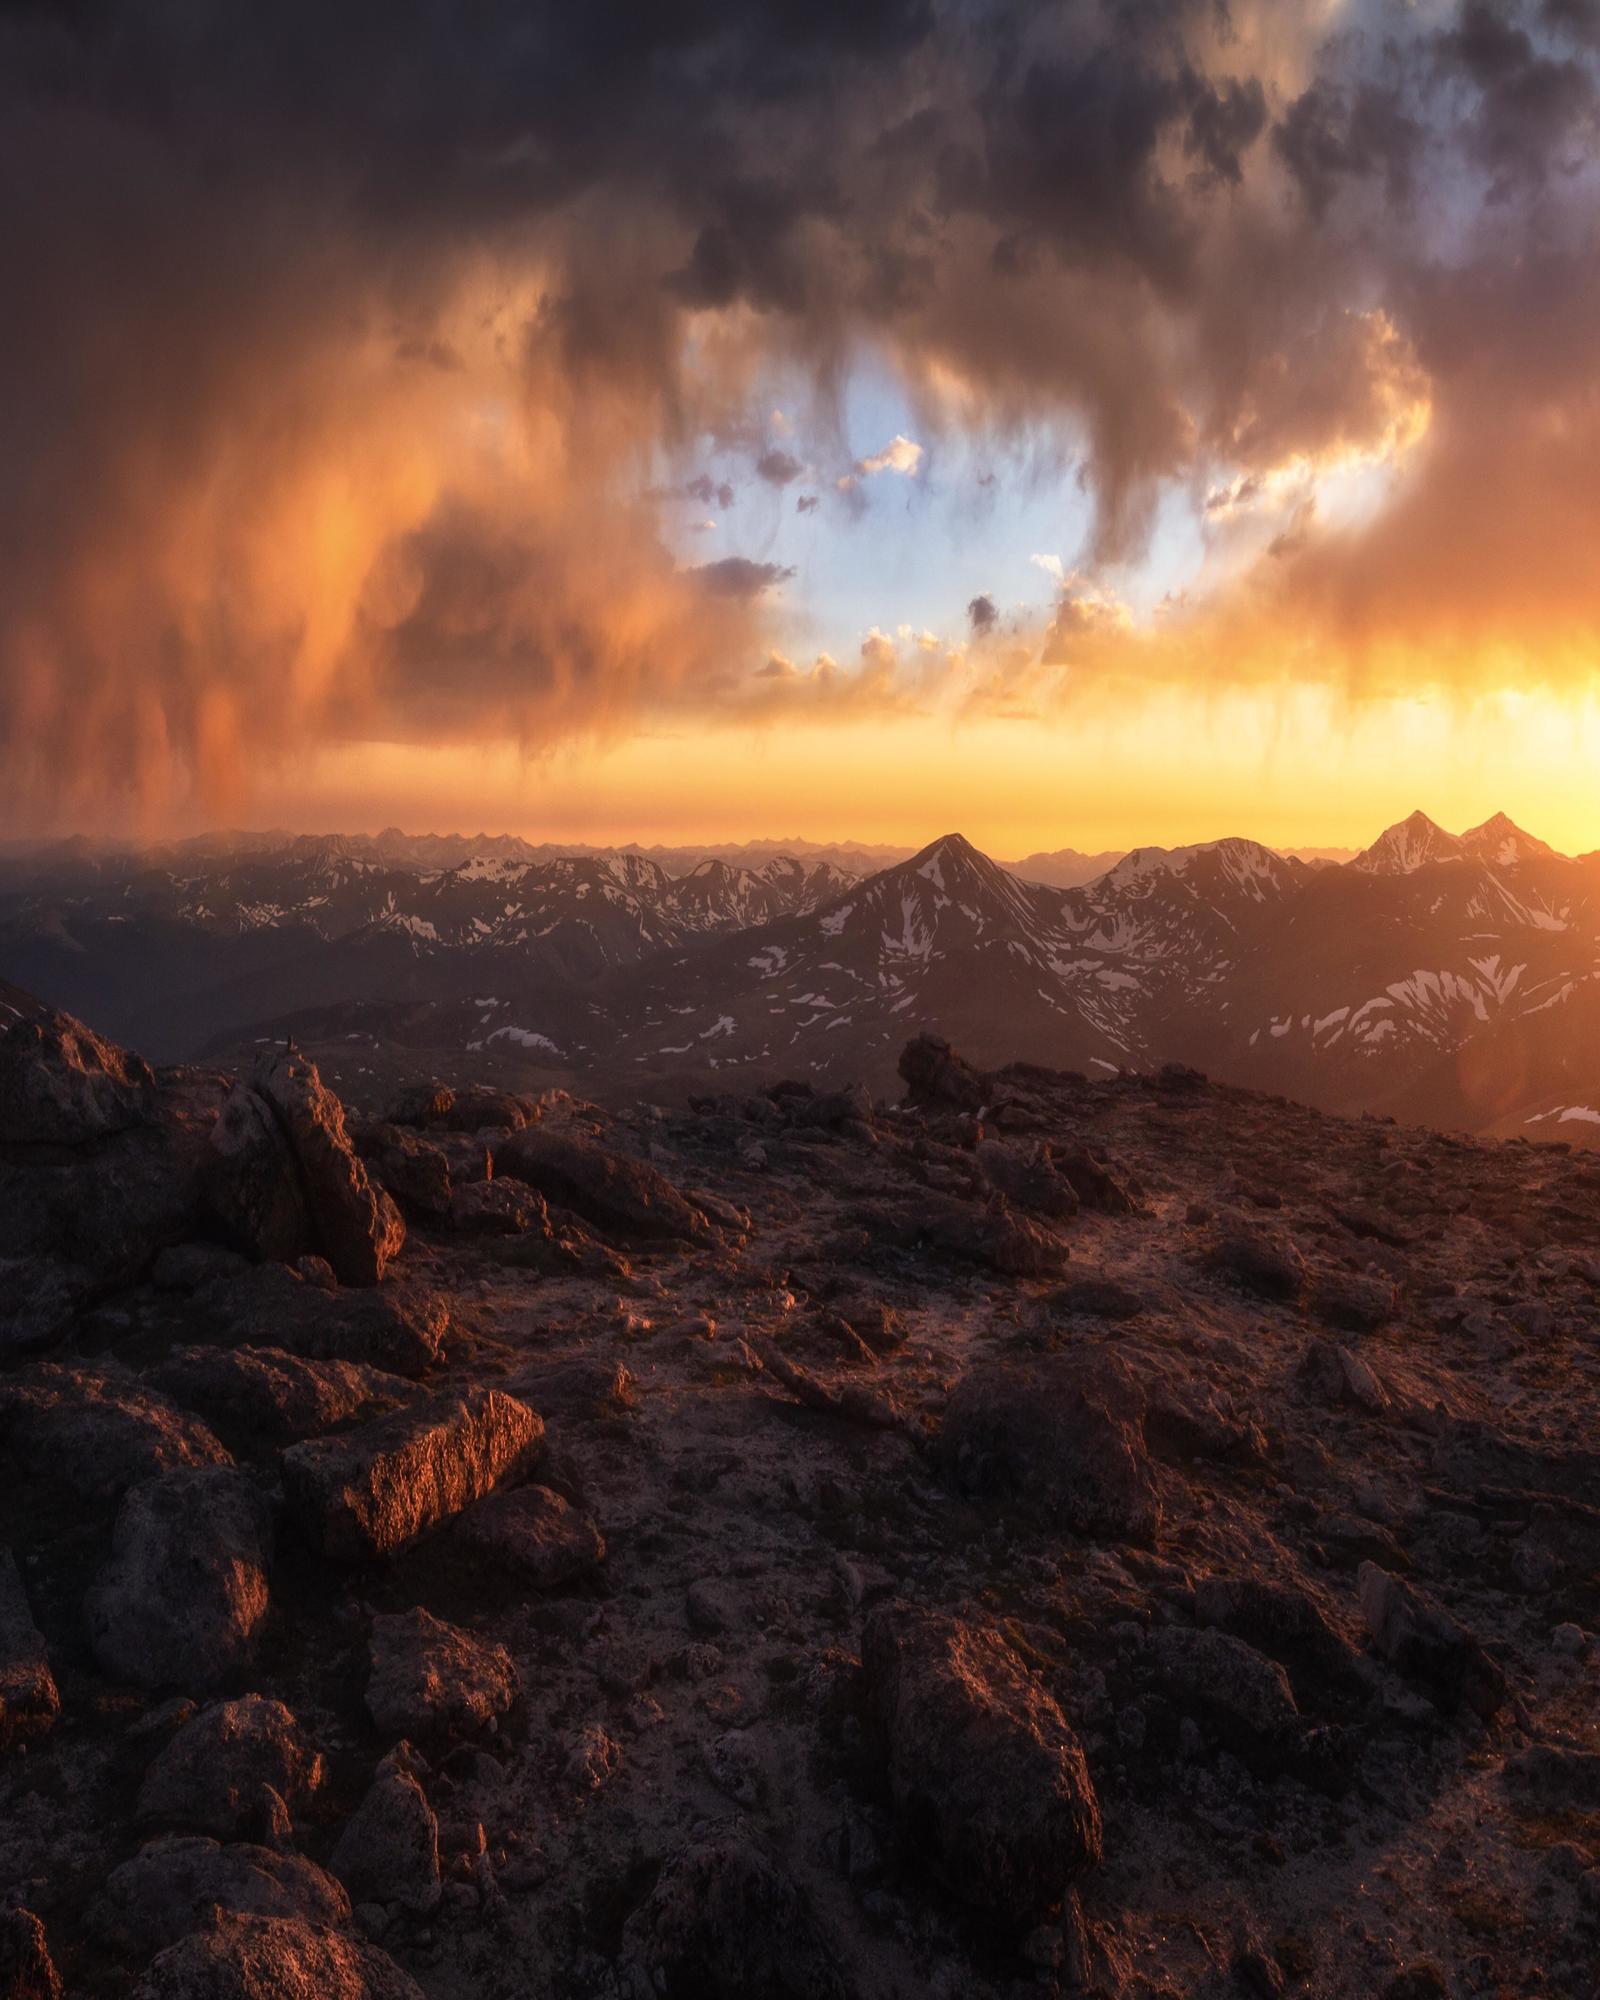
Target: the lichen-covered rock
(97, 1429)
(1059, 1437)
(274, 1958)
(986, 1775)
(214, 1775)
(29, 1701)
(397, 1327)
(263, 1394)
(607, 1189)
(171, 1886)
(724, 1922)
(61, 1085)
(183, 1598)
(27, 1971)
(284, 1179)
(1420, 1639)
(532, 1534)
(430, 1679)
(389, 1849)
(371, 1491)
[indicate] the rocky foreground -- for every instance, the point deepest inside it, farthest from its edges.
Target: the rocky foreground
(1045, 1537)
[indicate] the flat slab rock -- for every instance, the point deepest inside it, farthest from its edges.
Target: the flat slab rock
(607, 1189)
(429, 1678)
(29, 1702)
(532, 1534)
(266, 1393)
(374, 1490)
(274, 1958)
(396, 1327)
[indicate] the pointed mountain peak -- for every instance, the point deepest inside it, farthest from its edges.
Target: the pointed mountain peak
(1408, 845)
(1500, 842)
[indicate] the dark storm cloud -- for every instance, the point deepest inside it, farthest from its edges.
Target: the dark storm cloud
(981, 614)
(778, 468)
(335, 340)
(738, 576)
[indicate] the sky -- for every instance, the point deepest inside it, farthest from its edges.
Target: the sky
(1089, 424)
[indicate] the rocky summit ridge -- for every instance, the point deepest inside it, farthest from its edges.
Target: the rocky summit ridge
(1016, 1535)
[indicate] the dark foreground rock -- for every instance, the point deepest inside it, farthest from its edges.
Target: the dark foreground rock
(1061, 1437)
(431, 1679)
(236, 1769)
(27, 1971)
(532, 1534)
(988, 1779)
(29, 1702)
(183, 1598)
(172, 1885)
(608, 1189)
(267, 1958)
(724, 1922)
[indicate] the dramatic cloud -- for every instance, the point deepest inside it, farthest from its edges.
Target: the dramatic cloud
(358, 369)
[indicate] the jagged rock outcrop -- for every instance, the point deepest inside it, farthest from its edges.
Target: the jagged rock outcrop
(283, 1178)
(262, 1394)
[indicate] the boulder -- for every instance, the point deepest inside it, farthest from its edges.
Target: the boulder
(934, 1074)
(1352, 1303)
(284, 1178)
(265, 1395)
(532, 1534)
(412, 1169)
(371, 1491)
(1245, 1697)
(480, 1107)
(1335, 1375)
(431, 1679)
(215, 1773)
(274, 1958)
(1285, 1623)
(503, 1206)
(1060, 1438)
(171, 1886)
(1095, 1297)
(1421, 1640)
(251, 1189)
(987, 1233)
(724, 1922)
(986, 1776)
(1097, 1185)
(29, 1703)
(61, 1085)
(607, 1189)
(27, 1971)
(1261, 1261)
(421, 1104)
(396, 1327)
(1028, 1177)
(95, 1430)
(40, 1298)
(183, 1598)
(389, 1849)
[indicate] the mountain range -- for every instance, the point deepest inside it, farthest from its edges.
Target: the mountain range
(1443, 978)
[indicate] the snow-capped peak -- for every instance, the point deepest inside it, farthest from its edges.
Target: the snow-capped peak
(1502, 843)
(1408, 845)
